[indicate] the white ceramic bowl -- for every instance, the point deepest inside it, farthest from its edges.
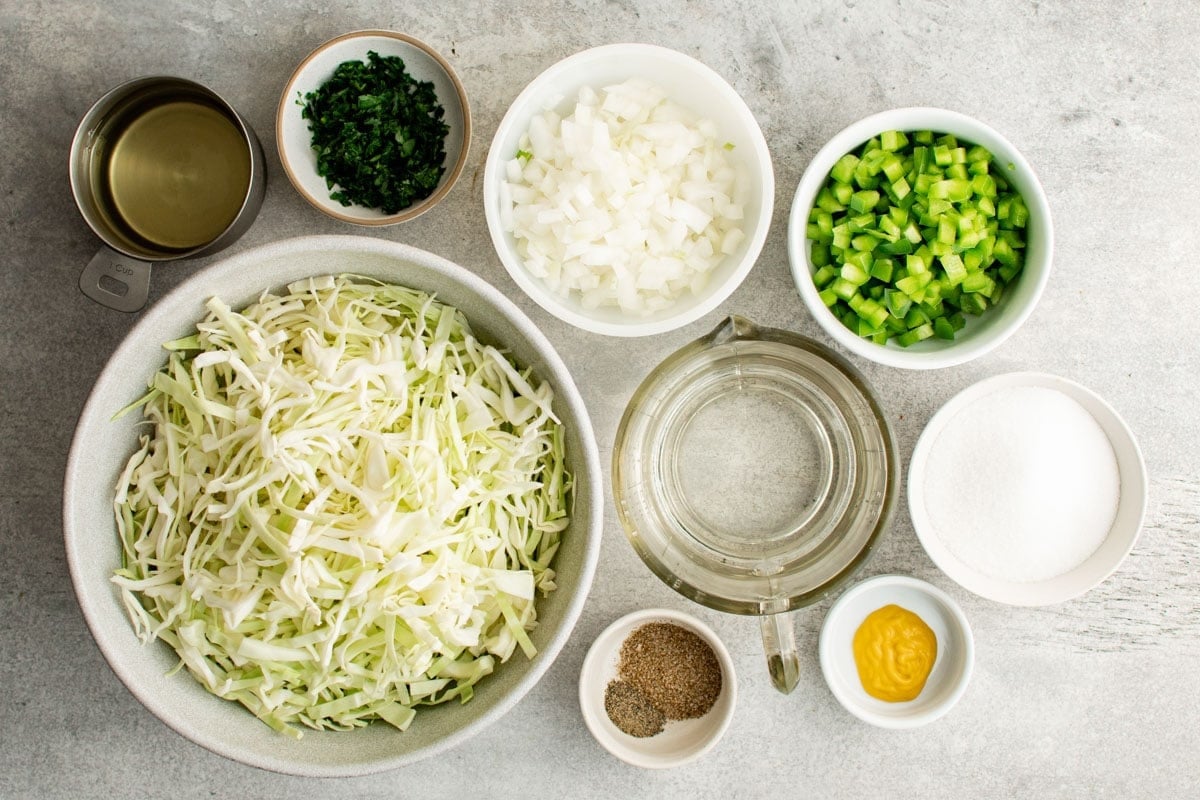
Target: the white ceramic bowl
(681, 741)
(102, 445)
(686, 82)
(294, 139)
(981, 334)
(951, 669)
(1131, 507)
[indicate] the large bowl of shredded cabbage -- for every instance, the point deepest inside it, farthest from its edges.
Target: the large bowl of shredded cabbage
(333, 506)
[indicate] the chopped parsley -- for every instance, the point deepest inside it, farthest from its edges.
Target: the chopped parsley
(379, 134)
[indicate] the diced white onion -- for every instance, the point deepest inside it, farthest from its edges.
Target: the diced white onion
(629, 201)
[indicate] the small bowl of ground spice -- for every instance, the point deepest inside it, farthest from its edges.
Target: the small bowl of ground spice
(373, 127)
(657, 688)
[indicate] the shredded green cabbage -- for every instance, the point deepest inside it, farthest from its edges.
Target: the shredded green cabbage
(345, 507)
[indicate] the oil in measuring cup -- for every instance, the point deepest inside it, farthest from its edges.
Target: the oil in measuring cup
(162, 169)
(172, 173)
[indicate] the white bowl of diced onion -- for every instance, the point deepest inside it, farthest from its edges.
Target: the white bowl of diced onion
(628, 190)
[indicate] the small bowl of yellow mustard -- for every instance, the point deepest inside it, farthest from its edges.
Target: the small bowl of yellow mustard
(896, 652)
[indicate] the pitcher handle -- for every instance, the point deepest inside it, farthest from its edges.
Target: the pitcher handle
(779, 642)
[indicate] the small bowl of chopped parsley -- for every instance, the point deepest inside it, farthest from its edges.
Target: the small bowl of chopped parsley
(373, 128)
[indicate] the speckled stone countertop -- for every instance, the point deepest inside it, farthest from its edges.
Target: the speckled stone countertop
(1093, 697)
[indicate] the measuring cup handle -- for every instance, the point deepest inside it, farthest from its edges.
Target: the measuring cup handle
(116, 280)
(779, 642)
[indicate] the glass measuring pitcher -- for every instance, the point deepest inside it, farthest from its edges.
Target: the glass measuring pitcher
(753, 472)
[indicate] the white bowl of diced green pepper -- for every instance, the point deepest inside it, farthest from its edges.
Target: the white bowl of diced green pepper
(920, 238)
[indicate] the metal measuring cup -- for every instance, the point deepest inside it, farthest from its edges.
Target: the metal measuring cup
(119, 274)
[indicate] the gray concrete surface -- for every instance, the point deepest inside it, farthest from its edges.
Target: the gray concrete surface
(1091, 698)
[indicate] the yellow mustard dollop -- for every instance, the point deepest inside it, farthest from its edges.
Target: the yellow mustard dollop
(894, 651)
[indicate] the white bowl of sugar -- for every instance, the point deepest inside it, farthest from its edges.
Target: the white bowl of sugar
(1027, 489)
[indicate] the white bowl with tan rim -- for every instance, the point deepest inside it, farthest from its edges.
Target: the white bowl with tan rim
(294, 139)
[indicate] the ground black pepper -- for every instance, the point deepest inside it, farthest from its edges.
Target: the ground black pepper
(666, 669)
(631, 711)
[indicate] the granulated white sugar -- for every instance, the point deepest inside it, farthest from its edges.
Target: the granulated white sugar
(1022, 484)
